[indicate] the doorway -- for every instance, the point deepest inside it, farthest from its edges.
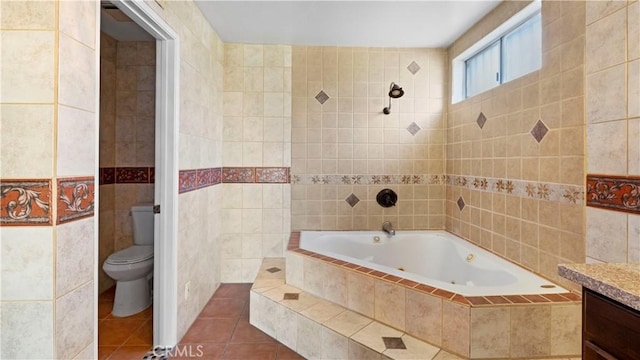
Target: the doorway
(165, 169)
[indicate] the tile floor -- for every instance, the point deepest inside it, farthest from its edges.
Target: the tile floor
(122, 338)
(221, 331)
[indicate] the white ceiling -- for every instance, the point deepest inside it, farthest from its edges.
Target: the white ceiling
(426, 23)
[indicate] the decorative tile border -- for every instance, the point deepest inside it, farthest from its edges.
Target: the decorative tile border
(407, 179)
(127, 175)
(132, 175)
(571, 194)
(238, 175)
(619, 193)
(272, 175)
(76, 198)
(195, 179)
(107, 176)
(248, 175)
(187, 181)
(25, 202)
(471, 301)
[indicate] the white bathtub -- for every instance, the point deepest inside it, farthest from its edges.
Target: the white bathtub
(435, 258)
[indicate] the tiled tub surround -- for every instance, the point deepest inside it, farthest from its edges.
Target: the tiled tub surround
(519, 326)
(343, 144)
(528, 134)
(323, 328)
(431, 257)
(319, 329)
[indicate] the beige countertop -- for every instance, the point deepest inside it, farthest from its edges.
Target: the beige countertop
(620, 282)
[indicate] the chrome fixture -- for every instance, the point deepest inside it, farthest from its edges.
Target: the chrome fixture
(388, 228)
(395, 92)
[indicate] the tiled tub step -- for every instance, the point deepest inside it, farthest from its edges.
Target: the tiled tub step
(318, 329)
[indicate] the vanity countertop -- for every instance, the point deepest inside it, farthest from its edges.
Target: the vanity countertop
(620, 282)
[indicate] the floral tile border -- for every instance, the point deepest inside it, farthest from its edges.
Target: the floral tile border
(132, 175)
(76, 199)
(620, 193)
(572, 194)
(194, 179)
(127, 175)
(355, 179)
(107, 176)
(249, 175)
(471, 301)
(275, 175)
(238, 175)
(187, 181)
(528, 189)
(25, 202)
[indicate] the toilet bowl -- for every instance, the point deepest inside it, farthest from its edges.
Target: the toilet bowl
(132, 267)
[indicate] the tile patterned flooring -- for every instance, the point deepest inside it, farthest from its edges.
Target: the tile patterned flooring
(221, 331)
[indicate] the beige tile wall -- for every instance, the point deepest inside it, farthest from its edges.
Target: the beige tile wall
(348, 135)
(527, 228)
(200, 139)
(201, 100)
(127, 137)
(613, 121)
(48, 91)
(256, 132)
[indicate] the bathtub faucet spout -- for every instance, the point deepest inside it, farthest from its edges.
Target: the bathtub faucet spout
(388, 228)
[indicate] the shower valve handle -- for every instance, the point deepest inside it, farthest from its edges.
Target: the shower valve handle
(387, 198)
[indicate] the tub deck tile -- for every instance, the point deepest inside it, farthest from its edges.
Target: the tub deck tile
(497, 300)
(536, 298)
(478, 300)
(392, 278)
(556, 297)
(409, 283)
(444, 294)
(460, 299)
(425, 288)
(517, 299)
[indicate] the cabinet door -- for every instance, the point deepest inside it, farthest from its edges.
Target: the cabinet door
(593, 352)
(610, 326)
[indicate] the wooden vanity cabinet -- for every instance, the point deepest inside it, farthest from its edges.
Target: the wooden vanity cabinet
(610, 330)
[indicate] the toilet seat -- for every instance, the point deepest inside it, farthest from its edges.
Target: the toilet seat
(131, 255)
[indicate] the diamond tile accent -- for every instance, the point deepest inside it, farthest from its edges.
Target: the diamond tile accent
(413, 67)
(481, 120)
(393, 343)
(291, 296)
(273, 270)
(322, 97)
(461, 203)
(539, 131)
(352, 200)
(413, 128)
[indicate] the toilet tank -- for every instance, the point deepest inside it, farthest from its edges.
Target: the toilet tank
(142, 215)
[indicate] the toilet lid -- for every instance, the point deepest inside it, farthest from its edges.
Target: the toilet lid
(132, 254)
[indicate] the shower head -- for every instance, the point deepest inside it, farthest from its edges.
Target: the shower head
(395, 92)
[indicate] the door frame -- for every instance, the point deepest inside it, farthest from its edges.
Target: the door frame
(165, 269)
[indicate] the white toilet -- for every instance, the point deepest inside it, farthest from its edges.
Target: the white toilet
(132, 268)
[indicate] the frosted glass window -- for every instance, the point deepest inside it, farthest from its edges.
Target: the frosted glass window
(516, 53)
(521, 49)
(483, 70)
